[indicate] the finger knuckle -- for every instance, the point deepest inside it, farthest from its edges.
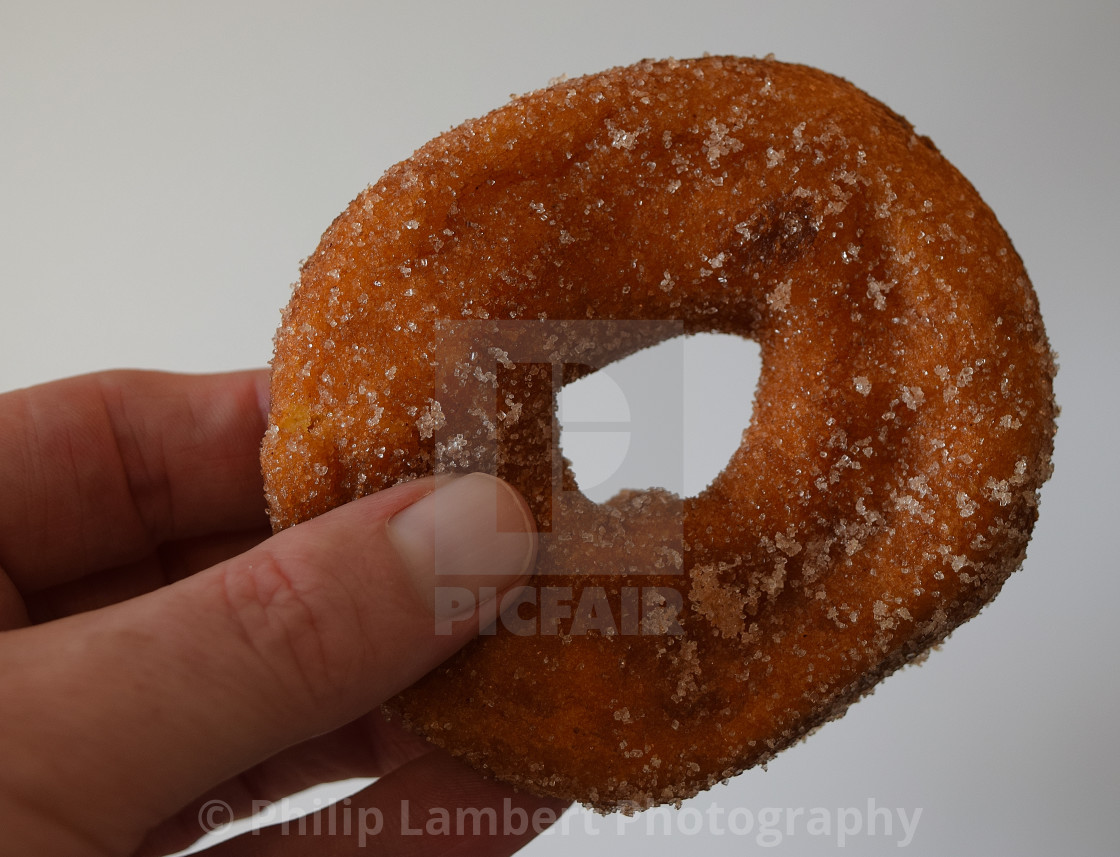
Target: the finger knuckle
(298, 623)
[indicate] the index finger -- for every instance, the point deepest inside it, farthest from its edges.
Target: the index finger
(99, 470)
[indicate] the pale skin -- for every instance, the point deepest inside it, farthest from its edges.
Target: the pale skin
(160, 649)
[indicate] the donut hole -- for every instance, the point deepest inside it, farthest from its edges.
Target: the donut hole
(667, 417)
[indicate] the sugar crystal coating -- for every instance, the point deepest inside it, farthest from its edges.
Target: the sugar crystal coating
(884, 490)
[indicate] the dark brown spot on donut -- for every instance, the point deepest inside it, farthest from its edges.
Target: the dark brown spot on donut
(781, 231)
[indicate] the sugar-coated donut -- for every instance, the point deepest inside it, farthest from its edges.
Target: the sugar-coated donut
(884, 490)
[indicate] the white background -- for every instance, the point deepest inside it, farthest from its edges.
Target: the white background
(164, 168)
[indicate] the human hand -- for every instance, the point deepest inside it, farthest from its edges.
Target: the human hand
(162, 653)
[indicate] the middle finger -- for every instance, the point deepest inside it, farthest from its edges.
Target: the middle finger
(371, 746)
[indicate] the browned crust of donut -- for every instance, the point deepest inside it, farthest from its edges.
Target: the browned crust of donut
(887, 484)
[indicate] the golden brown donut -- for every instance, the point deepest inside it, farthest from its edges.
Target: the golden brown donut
(884, 490)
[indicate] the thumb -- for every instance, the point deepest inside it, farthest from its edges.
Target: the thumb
(144, 705)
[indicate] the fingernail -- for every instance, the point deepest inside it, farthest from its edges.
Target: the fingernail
(471, 535)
